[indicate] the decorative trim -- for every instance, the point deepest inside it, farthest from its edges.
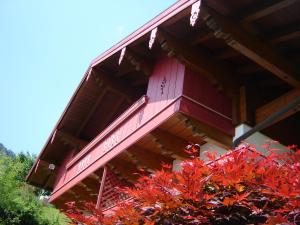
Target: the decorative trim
(195, 13)
(122, 55)
(152, 37)
(53, 136)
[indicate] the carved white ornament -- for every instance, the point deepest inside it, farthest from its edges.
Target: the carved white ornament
(152, 37)
(195, 12)
(122, 55)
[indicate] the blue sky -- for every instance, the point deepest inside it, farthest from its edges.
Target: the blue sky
(45, 48)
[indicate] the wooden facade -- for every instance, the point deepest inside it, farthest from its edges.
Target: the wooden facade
(140, 104)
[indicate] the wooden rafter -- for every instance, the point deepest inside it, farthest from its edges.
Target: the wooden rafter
(91, 112)
(286, 34)
(152, 160)
(71, 140)
(210, 132)
(139, 63)
(265, 111)
(107, 80)
(217, 72)
(249, 46)
(265, 8)
(127, 171)
(170, 142)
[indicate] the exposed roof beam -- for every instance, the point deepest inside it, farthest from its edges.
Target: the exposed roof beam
(206, 64)
(71, 140)
(211, 133)
(91, 112)
(108, 81)
(138, 62)
(249, 46)
(265, 111)
(264, 8)
(289, 33)
(170, 142)
(152, 161)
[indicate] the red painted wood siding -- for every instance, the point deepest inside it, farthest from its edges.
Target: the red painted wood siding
(206, 103)
(164, 91)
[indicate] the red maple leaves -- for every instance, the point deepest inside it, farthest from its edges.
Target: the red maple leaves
(241, 187)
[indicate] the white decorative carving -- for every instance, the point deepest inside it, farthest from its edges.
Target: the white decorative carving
(195, 12)
(122, 55)
(112, 141)
(83, 164)
(152, 37)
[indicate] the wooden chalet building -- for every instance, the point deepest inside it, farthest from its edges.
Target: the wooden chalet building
(196, 73)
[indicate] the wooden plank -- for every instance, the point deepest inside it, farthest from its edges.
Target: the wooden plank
(170, 142)
(71, 140)
(243, 105)
(148, 158)
(91, 112)
(139, 63)
(204, 63)
(265, 111)
(265, 8)
(250, 46)
(288, 33)
(211, 132)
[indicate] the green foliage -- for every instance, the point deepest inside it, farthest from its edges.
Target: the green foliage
(19, 203)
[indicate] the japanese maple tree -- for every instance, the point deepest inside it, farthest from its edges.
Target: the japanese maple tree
(241, 187)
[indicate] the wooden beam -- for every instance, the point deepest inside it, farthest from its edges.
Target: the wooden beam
(125, 170)
(249, 69)
(265, 111)
(265, 8)
(105, 80)
(243, 105)
(149, 158)
(204, 63)
(170, 142)
(203, 36)
(210, 132)
(288, 33)
(91, 112)
(71, 140)
(139, 62)
(251, 47)
(113, 110)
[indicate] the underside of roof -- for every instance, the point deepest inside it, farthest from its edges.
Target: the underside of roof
(249, 46)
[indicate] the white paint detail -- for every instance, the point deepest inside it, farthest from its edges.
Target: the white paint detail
(152, 37)
(195, 13)
(122, 55)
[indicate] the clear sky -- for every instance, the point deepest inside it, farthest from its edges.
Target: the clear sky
(45, 48)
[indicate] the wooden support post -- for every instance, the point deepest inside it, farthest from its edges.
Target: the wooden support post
(243, 105)
(99, 199)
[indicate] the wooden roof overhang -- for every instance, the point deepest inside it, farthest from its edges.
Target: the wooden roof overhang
(248, 49)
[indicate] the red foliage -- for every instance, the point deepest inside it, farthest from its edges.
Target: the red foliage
(241, 187)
